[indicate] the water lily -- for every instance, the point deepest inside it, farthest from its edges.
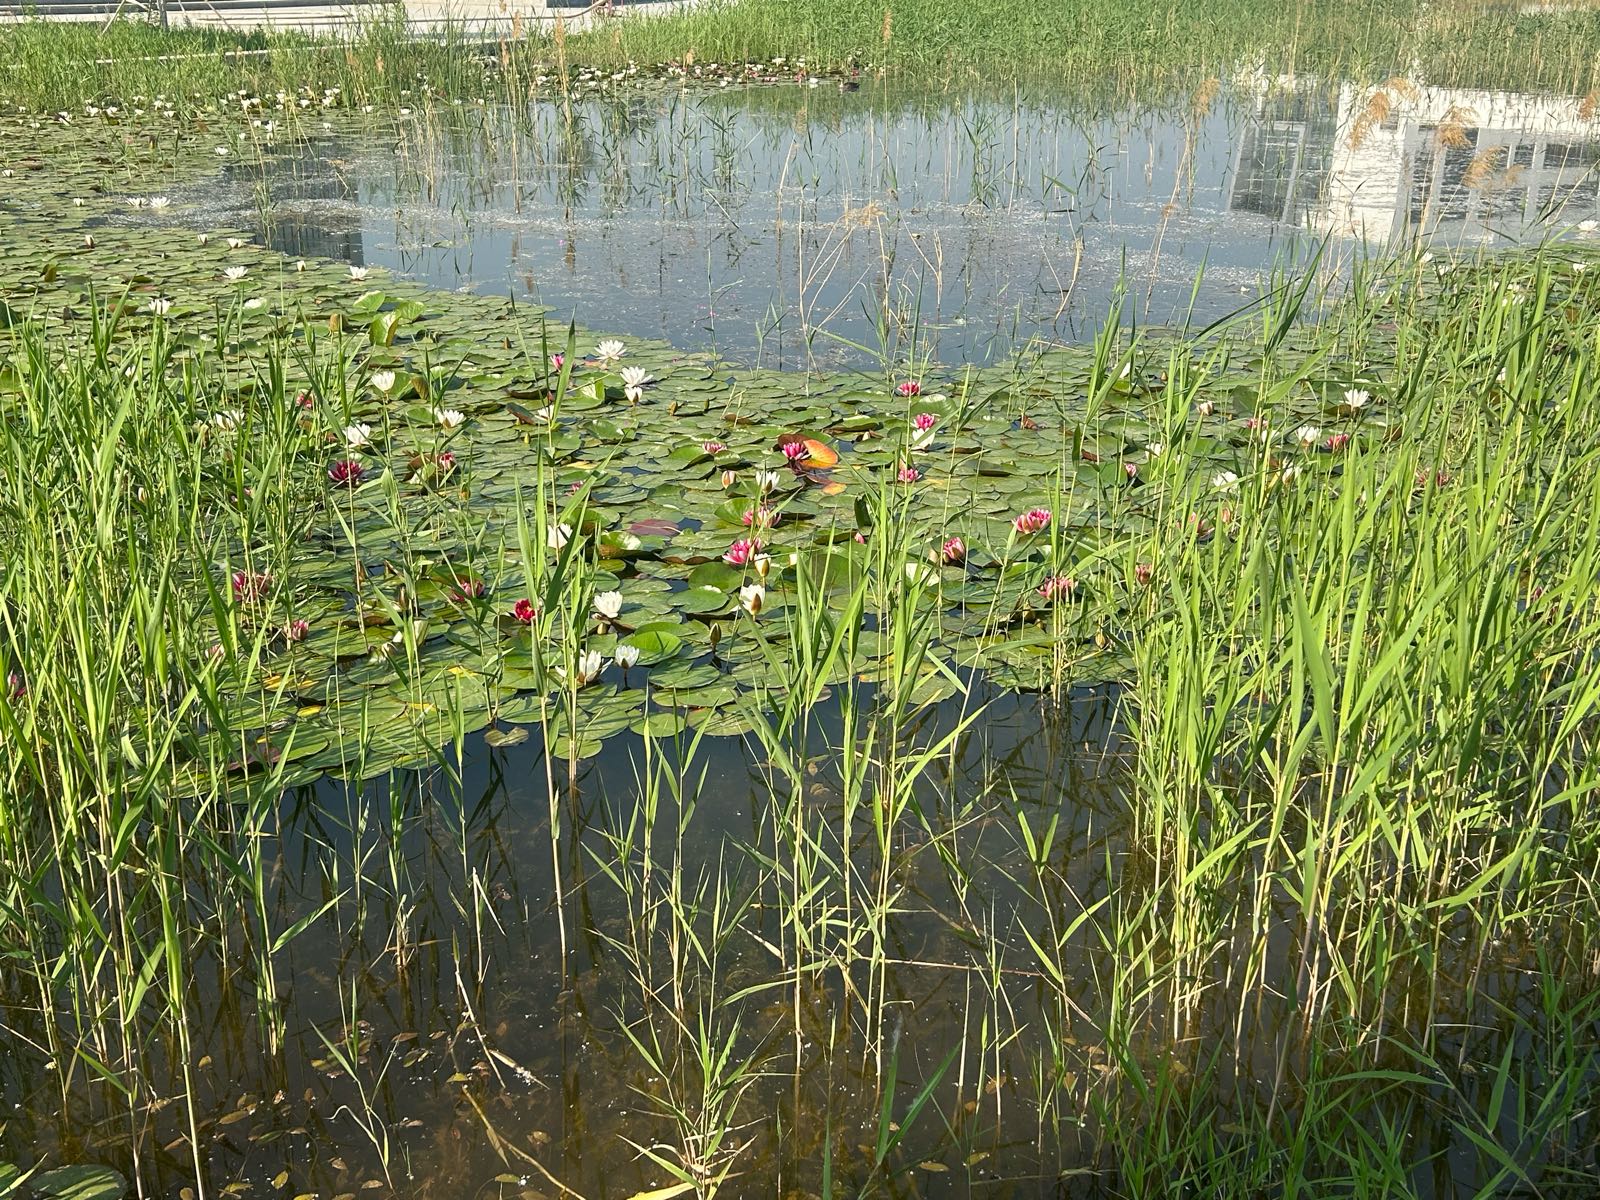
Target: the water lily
(228, 420)
(761, 517)
(160, 306)
(1206, 407)
(908, 473)
(1337, 442)
(557, 536)
(793, 449)
(751, 598)
(626, 656)
(234, 274)
(953, 552)
(466, 590)
(88, 241)
(557, 361)
(254, 303)
(729, 478)
(1131, 470)
(1058, 587)
(305, 401)
(924, 421)
(761, 564)
(741, 551)
(383, 380)
(1155, 449)
(767, 481)
(296, 630)
(607, 605)
(610, 350)
(1031, 521)
(235, 243)
(1357, 398)
(448, 418)
(713, 447)
(908, 387)
(1308, 435)
(1143, 573)
(633, 383)
(16, 685)
(159, 202)
(590, 664)
(358, 272)
(525, 611)
(250, 587)
(357, 436)
(1225, 481)
(346, 472)
(1588, 225)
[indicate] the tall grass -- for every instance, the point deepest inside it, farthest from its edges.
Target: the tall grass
(1133, 46)
(1334, 934)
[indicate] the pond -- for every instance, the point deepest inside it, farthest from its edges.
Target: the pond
(797, 227)
(909, 700)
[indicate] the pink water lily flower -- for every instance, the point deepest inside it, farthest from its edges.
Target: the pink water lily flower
(953, 552)
(713, 447)
(1031, 521)
(525, 610)
(296, 630)
(249, 587)
(794, 449)
(1143, 573)
(1058, 587)
(924, 421)
(347, 472)
(761, 517)
(909, 474)
(742, 551)
(557, 361)
(908, 387)
(1337, 442)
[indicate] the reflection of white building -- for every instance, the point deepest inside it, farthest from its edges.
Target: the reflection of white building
(1458, 165)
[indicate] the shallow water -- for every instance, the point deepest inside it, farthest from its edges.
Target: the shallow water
(800, 227)
(760, 224)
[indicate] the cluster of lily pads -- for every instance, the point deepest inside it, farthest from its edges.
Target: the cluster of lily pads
(1019, 515)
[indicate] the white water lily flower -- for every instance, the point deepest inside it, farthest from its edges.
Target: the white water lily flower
(1291, 472)
(254, 303)
(159, 202)
(357, 436)
(300, 264)
(1225, 481)
(221, 151)
(766, 481)
(1578, 268)
(136, 202)
(545, 414)
(607, 605)
(627, 656)
(1308, 435)
(88, 241)
(610, 350)
(234, 274)
(77, 202)
(590, 664)
(558, 536)
(1357, 398)
(448, 418)
(160, 306)
(1588, 225)
(228, 420)
(237, 243)
(1155, 449)
(358, 272)
(383, 380)
(635, 376)
(752, 597)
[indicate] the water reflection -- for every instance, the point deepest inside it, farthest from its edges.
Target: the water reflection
(799, 227)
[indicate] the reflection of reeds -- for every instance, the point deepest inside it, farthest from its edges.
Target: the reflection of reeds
(1452, 131)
